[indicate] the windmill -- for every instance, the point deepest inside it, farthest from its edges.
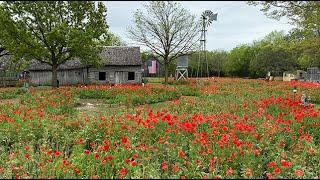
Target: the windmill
(206, 19)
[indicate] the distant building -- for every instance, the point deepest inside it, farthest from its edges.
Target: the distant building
(121, 65)
(301, 75)
(287, 76)
(312, 75)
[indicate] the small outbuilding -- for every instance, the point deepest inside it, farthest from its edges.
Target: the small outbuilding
(288, 76)
(313, 74)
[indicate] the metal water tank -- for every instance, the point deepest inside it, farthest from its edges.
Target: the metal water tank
(182, 61)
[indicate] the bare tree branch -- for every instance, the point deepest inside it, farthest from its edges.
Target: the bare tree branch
(167, 29)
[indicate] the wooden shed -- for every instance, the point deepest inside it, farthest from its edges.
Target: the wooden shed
(313, 74)
(121, 65)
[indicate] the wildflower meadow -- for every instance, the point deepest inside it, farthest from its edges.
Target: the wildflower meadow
(224, 128)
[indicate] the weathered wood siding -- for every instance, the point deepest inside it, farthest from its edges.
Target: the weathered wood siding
(65, 77)
(115, 75)
(9, 79)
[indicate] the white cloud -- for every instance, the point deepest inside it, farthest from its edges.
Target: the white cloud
(237, 23)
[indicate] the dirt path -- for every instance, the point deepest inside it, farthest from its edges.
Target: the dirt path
(97, 106)
(9, 101)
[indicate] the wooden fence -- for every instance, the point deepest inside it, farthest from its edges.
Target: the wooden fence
(9, 79)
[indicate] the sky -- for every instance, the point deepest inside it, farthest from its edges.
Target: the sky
(237, 22)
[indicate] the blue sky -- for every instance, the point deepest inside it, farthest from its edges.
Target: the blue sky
(237, 23)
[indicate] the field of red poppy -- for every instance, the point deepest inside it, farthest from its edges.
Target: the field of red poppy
(224, 128)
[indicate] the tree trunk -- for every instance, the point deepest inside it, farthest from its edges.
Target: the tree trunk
(54, 81)
(165, 73)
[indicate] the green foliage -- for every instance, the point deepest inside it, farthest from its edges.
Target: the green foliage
(273, 53)
(304, 41)
(215, 60)
(237, 63)
(130, 96)
(113, 40)
(186, 90)
(53, 32)
(305, 14)
(180, 82)
(10, 93)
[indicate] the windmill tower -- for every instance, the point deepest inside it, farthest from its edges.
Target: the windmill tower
(206, 19)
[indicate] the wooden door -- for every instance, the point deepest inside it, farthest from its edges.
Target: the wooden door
(119, 77)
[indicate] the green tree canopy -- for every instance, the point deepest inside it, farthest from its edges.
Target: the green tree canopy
(215, 59)
(53, 32)
(304, 38)
(304, 14)
(114, 40)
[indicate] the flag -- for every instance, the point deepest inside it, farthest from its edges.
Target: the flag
(153, 68)
(149, 63)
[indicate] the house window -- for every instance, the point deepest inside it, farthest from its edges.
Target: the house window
(130, 75)
(102, 76)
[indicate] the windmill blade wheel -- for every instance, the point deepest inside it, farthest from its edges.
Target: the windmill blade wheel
(209, 16)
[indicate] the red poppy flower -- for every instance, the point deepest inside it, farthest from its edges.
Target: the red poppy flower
(175, 168)
(96, 156)
(77, 171)
(134, 164)
(269, 176)
(135, 156)
(27, 156)
(124, 140)
(87, 152)
(182, 154)
(65, 162)
(123, 172)
(285, 163)
(276, 171)
(164, 165)
(57, 153)
(109, 158)
(271, 164)
(299, 172)
(229, 171)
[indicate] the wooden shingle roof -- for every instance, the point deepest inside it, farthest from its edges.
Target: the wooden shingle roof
(111, 55)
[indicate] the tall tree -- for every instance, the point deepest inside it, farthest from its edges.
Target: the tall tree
(168, 29)
(305, 37)
(238, 60)
(53, 32)
(115, 40)
(304, 14)
(215, 61)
